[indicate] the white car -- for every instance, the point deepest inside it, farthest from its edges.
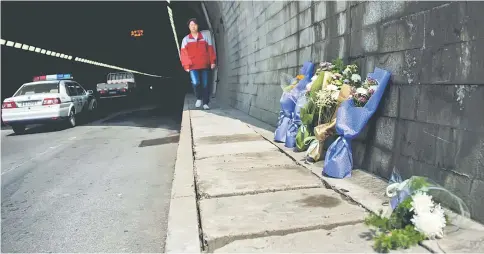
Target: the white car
(51, 98)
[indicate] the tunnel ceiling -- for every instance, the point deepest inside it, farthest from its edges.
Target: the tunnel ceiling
(94, 30)
(101, 30)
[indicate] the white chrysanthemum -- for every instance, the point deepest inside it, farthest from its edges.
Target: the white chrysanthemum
(431, 224)
(421, 203)
(428, 218)
(362, 90)
(356, 78)
(373, 88)
(439, 211)
(332, 88)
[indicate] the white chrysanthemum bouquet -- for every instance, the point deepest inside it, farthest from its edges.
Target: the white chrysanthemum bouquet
(414, 215)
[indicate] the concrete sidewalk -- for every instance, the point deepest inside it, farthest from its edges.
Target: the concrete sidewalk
(255, 198)
(254, 195)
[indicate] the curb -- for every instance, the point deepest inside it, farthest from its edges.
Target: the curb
(183, 234)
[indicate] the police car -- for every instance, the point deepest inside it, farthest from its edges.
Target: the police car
(50, 98)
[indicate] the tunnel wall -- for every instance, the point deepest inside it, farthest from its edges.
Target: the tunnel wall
(430, 121)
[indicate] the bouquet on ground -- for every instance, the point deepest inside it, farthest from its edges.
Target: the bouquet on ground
(287, 83)
(298, 94)
(350, 121)
(308, 110)
(304, 130)
(337, 90)
(414, 214)
(326, 92)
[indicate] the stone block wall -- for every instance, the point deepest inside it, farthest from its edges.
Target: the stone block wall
(431, 120)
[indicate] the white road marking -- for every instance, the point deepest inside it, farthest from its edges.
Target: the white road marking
(54, 147)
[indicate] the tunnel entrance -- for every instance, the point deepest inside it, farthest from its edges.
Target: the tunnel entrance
(128, 35)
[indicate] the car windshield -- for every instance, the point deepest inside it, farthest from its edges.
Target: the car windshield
(38, 88)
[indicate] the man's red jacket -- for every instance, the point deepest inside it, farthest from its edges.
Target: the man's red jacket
(196, 54)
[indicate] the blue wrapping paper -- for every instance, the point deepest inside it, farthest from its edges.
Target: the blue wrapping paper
(350, 121)
(399, 198)
(285, 117)
(307, 70)
(288, 104)
(284, 122)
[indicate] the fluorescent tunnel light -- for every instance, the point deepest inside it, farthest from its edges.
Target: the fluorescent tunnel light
(66, 56)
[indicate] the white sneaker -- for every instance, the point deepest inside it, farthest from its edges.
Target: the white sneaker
(206, 107)
(198, 103)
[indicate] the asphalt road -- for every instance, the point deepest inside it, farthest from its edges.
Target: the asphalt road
(103, 186)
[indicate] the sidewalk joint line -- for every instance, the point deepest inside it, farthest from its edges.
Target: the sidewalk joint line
(220, 242)
(256, 192)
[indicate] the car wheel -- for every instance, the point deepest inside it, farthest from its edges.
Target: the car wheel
(18, 129)
(71, 120)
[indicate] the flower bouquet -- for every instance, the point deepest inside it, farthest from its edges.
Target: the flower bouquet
(350, 121)
(304, 130)
(298, 96)
(290, 90)
(326, 93)
(340, 87)
(317, 98)
(307, 113)
(287, 107)
(415, 214)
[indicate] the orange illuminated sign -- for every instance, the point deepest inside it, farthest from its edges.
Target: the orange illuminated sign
(137, 33)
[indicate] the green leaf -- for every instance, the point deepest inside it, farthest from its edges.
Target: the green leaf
(302, 134)
(338, 65)
(391, 238)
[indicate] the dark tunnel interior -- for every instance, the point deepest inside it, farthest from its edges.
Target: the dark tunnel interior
(99, 31)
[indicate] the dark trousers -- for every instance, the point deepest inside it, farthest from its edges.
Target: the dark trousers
(200, 84)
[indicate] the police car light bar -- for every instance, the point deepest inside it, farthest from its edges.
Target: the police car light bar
(53, 77)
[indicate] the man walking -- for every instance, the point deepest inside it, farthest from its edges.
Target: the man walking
(198, 57)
